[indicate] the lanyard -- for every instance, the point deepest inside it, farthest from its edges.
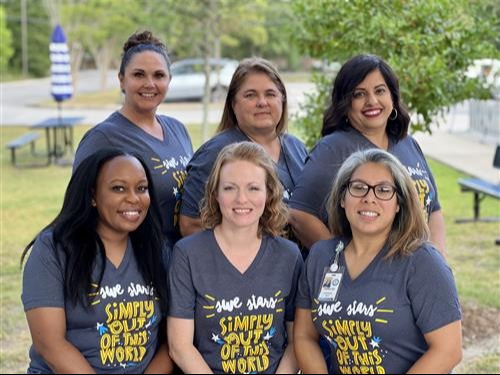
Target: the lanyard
(335, 266)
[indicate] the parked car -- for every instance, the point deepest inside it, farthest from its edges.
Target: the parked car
(188, 79)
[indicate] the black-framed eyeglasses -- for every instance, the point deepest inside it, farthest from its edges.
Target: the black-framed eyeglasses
(360, 189)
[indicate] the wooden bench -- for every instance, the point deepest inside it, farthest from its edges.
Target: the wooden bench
(28, 138)
(481, 190)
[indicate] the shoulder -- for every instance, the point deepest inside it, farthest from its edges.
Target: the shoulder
(170, 121)
(286, 247)
(292, 142)
(214, 145)
(322, 250)
(44, 248)
(173, 125)
(409, 143)
(339, 142)
(193, 244)
(428, 256)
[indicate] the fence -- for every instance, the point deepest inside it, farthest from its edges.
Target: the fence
(484, 119)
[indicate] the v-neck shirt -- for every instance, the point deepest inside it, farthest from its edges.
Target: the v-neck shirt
(378, 320)
(166, 158)
(119, 332)
(239, 317)
(324, 161)
(289, 166)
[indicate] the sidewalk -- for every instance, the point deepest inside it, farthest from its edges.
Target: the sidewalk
(452, 144)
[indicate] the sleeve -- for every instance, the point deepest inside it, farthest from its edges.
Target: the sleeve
(43, 276)
(198, 171)
(304, 287)
(432, 291)
(93, 140)
(315, 182)
(436, 206)
(290, 303)
(181, 291)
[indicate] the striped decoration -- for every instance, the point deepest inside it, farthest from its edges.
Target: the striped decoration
(61, 82)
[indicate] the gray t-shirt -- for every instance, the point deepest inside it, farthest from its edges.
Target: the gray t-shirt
(289, 166)
(378, 321)
(324, 161)
(167, 159)
(119, 332)
(239, 318)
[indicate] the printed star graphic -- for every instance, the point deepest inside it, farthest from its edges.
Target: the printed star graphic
(99, 325)
(267, 336)
(428, 201)
(176, 191)
(215, 338)
(375, 342)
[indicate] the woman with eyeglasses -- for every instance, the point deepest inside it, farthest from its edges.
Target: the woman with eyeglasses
(378, 292)
(366, 111)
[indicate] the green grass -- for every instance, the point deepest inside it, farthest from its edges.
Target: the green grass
(30, 198)
(471, 247)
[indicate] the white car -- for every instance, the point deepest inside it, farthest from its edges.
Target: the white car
(188, 79)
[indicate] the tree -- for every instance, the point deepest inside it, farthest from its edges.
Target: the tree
(101, 26)
(6, 50)
(429, 44)
(39, 32)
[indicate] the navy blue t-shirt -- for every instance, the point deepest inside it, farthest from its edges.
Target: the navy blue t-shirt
(167, 159)
(315, 183)
(239, 318)
(378, 321)
(289, 166)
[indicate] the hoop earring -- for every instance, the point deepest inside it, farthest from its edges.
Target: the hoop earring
(395, 114)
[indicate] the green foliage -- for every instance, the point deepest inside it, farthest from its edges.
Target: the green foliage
(309, 124)
(429, 44)
(39, 32)
(6, 50)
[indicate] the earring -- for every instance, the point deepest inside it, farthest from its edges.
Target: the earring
(395, 114)
(93, 203)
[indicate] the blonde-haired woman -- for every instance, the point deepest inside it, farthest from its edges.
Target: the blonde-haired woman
(378, 292)
(233, 285)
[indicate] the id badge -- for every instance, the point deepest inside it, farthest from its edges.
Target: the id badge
(330, 284)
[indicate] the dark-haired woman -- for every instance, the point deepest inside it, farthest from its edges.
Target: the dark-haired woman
(162, 141)
(94, 285)
(366, 112)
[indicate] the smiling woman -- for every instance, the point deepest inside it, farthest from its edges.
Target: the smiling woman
(238, 274)
(101, 255)
(391, 280)
(162, 141)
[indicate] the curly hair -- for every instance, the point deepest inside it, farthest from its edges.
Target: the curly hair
(274, 217)
(252, 65)
(409, 229)
(140, 42)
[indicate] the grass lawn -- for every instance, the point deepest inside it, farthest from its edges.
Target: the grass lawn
(30, 198)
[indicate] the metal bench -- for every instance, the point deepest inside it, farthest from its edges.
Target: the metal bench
(481, 190)
(28, 138)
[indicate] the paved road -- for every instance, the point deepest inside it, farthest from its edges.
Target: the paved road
(451, 143)
(19, 102)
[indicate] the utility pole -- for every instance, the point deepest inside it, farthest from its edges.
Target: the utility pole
(24, 37)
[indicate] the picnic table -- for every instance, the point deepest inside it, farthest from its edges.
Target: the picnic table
(59, 135)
